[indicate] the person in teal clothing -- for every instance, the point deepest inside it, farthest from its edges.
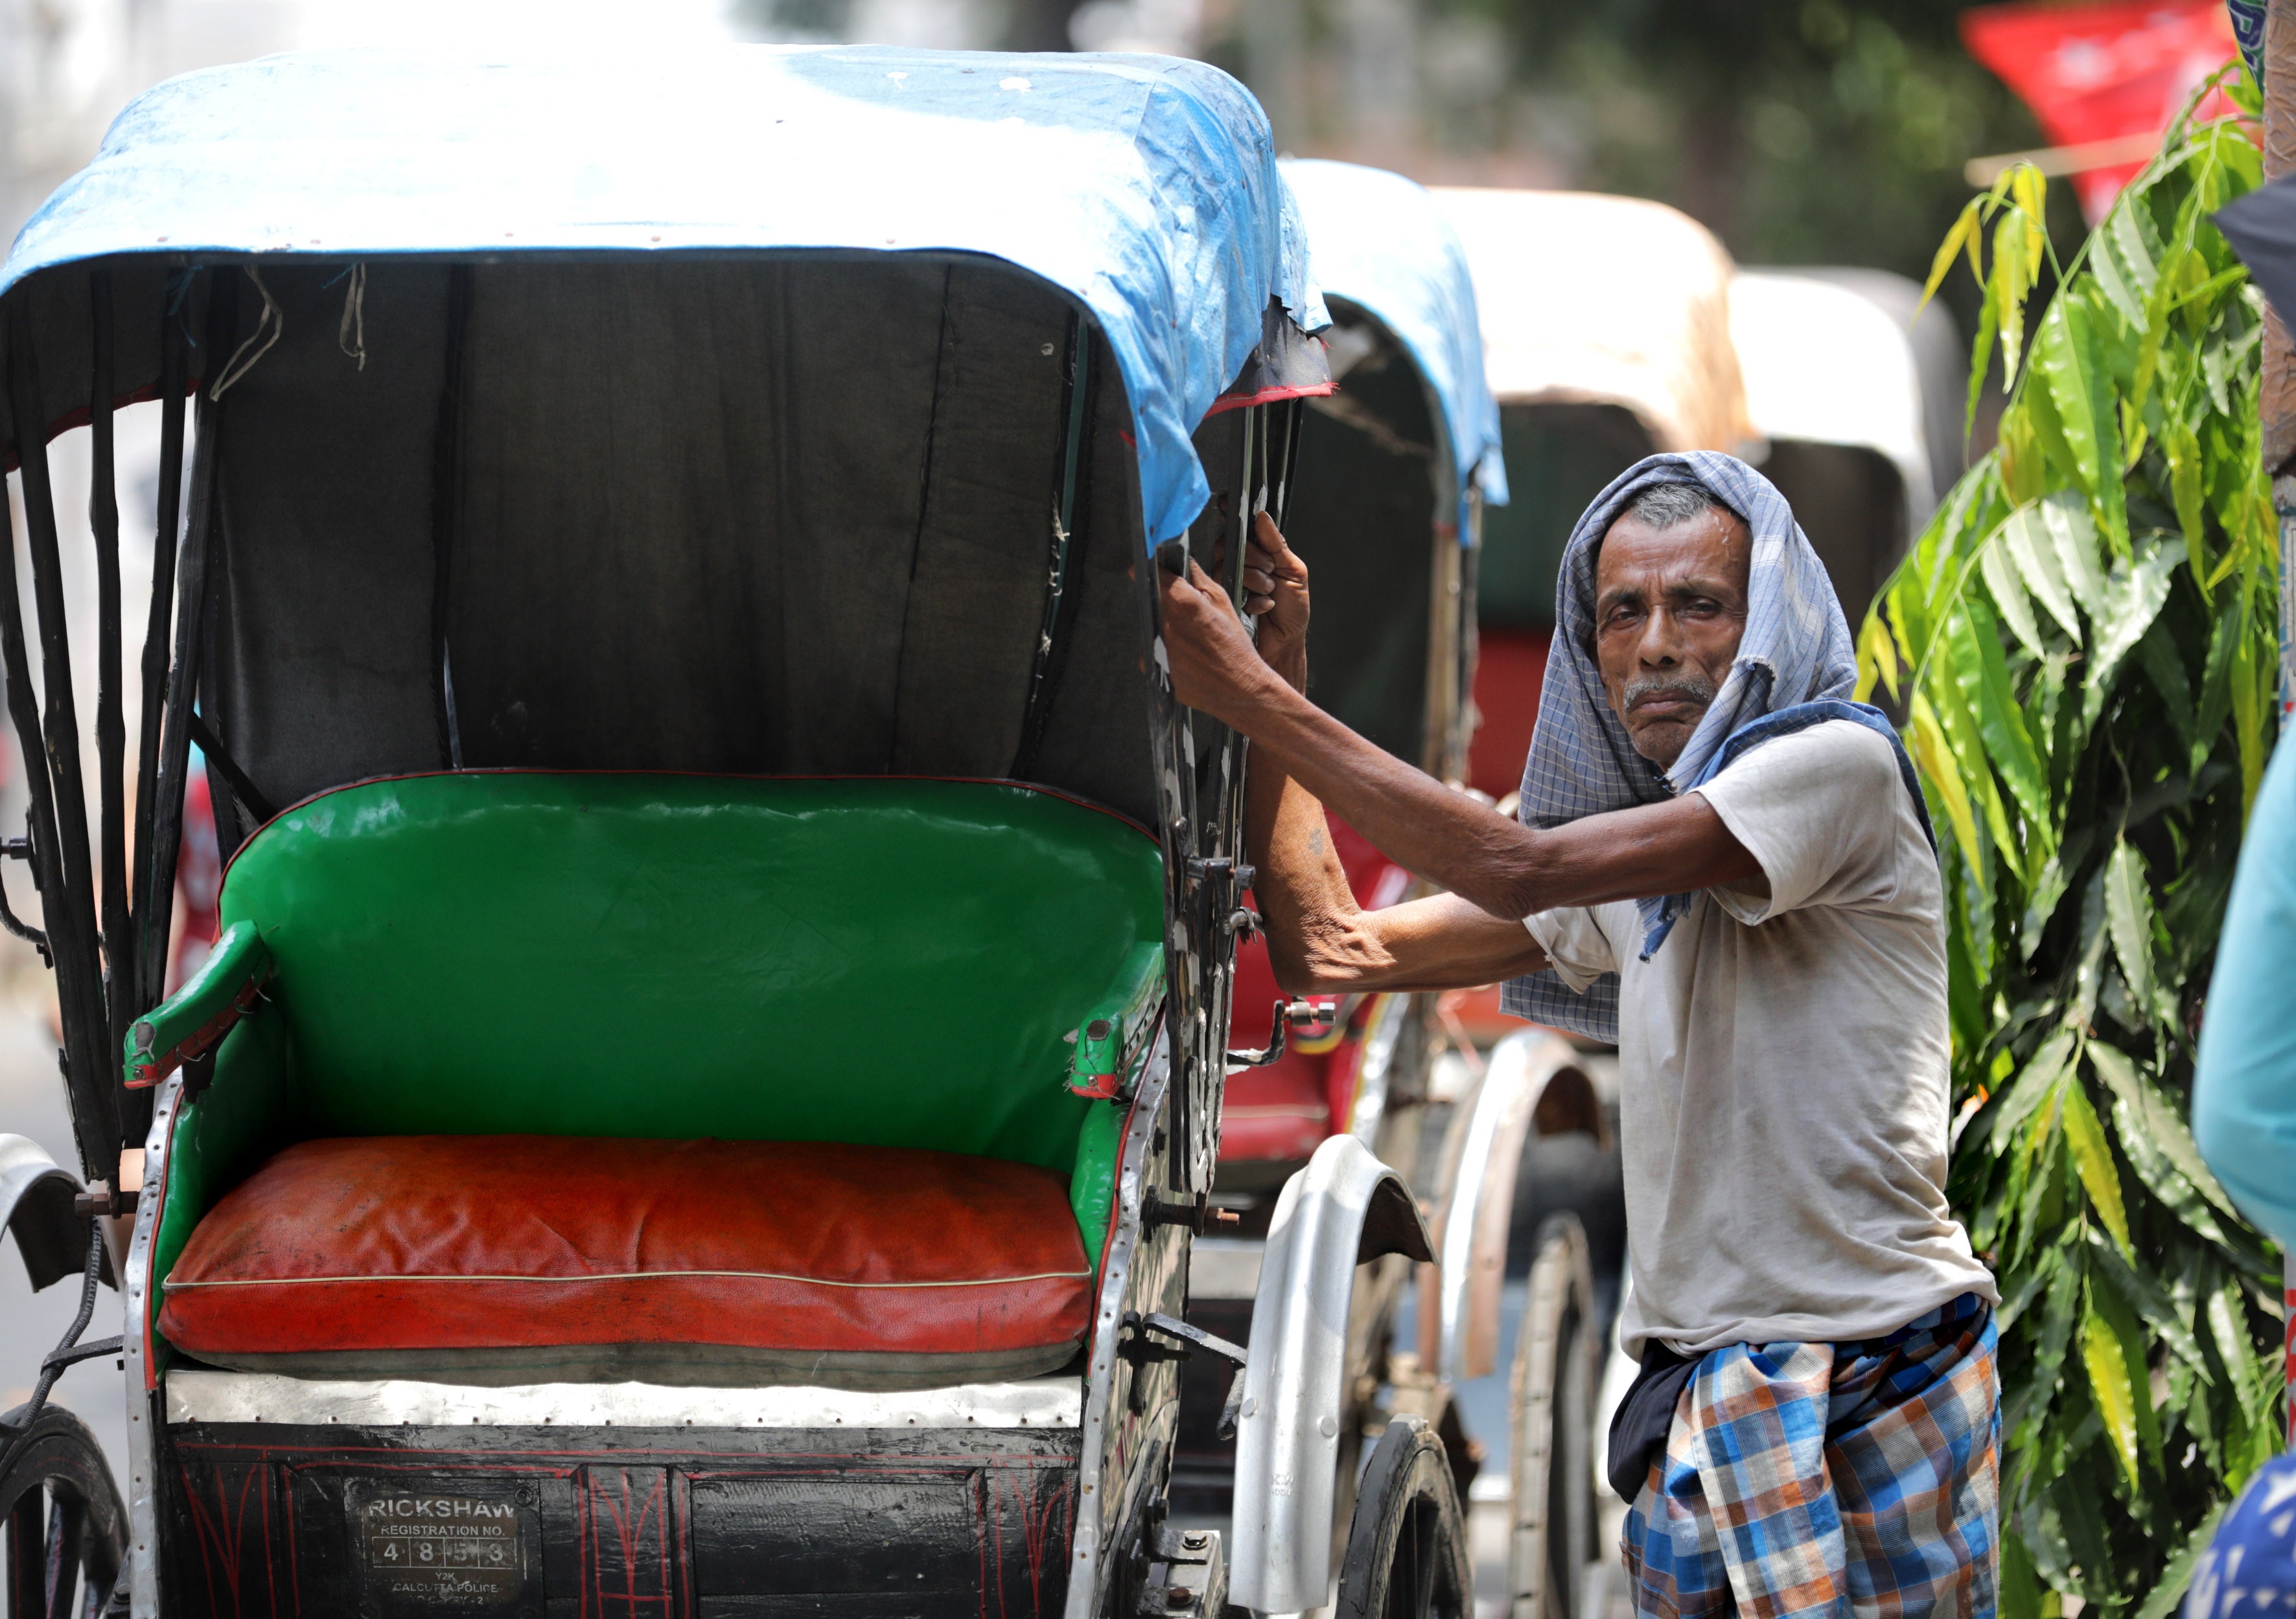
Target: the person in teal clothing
(2244, 1092)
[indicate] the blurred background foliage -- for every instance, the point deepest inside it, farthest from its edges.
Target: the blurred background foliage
(1798, 131)
(1812, 133)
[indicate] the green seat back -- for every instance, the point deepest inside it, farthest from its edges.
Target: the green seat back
(875, 961)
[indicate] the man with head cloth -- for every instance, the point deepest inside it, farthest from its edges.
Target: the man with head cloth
(1724, 865)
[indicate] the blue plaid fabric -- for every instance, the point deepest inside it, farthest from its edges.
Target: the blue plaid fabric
(1841, 1478)
(1796, 649)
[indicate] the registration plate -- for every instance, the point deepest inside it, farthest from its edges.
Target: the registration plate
(424, 1551)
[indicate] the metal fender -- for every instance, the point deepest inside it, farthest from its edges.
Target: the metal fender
(1532, 1080)
(35, 1203)
(1344, 1208)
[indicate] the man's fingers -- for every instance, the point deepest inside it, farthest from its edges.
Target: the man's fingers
(1209, 589)
(1268, 536)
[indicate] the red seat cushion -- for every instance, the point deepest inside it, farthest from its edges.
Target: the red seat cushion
(1278, 1114)
(533, 1258)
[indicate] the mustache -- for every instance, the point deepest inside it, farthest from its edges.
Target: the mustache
(1695, 688)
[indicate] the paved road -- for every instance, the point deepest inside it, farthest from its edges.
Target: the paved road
(32, 1104)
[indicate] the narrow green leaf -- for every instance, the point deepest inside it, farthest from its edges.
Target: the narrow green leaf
(2163, 1124)
(1938, 769)
(2049, 884)
(2004, 290)
(1981, 357)
(2128, 914)
(2177, 1572)
(2251, 678)
(2020, 1585)
(2145, 1297)
(2093, 1162)
(2162, 1177)
(1963, 235)
(2216, 682)
(2088, 970)
(2030, 544)
(2115, 1307)
(2029, 189)
(2073, 536)
(2008, 593)
(2032, 1087)
(1877, 658)
(2108, 1385)
(2182, 448)
(1966, 739)
(2133, 599)
(2009, 748)
(2068, 355)
(2117, 271)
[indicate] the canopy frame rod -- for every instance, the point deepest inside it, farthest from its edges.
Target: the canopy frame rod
(114, 930)
(191, 625)
(1068, 510)
(446, 507)
(150, 980)
(49, 734)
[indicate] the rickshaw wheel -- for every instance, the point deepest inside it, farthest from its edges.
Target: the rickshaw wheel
(1552, 1535)
(1407, 1544)
(61, 1521)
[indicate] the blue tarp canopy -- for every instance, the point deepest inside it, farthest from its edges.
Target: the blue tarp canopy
(1378, 241)
(1145, 187)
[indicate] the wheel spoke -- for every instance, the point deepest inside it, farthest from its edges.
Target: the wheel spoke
(66, 1519)
(1403, 1570)
(1427, 1553)
(26, 1558)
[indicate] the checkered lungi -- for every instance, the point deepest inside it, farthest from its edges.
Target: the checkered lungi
(1852, 1478)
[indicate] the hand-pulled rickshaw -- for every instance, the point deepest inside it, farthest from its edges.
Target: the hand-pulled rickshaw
(709, 1080)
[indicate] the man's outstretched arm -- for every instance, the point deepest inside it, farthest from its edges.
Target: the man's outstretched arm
(1320, 941)
(1506, 870)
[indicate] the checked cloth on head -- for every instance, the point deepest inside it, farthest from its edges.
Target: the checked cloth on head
(1794, 667)
(1840, 1478)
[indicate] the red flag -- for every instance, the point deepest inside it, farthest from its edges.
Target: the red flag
(2097, 73)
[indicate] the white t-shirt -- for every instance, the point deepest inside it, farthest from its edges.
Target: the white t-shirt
(1784, 1065)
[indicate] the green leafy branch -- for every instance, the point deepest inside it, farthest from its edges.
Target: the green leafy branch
(2083, 644)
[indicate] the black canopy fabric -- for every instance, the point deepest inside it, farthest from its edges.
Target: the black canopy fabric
(2261, 228)
(780, 515)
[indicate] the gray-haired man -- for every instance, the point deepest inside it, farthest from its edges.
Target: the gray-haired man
(1727, 868)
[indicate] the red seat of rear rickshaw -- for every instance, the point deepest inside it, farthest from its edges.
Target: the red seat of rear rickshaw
(679, 1078)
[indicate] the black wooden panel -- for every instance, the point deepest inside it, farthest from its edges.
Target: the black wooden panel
(227, 1555)
(630, 1537)
(840, 1605)
(262, 1521)
(847, 1536)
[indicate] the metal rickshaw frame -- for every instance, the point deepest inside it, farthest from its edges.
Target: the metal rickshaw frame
(209, 182)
